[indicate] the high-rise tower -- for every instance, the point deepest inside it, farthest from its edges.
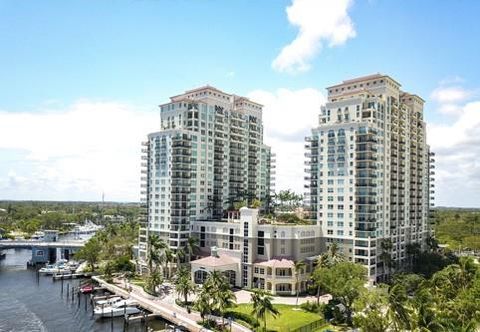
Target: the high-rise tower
(368, 172)
(208, 154)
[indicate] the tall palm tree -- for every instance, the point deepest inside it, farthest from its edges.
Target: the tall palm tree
(155, 244)
(386, 256)
(298, 268)
(202, 304)
(179, 256)
(225, 298)
(192, 246)
(398, 308)
(168, 257)
(184, 284)
(262, 305)
(334, 254)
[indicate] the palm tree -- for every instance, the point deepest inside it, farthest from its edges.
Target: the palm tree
(202, 304)
(184, 284)
(298, 268)
(192, 246)
(413, 250)
(398, 310)
(179, 256)
(155, 244)
(225, 298)
(168, 257)
(386, 255)
(262, 305)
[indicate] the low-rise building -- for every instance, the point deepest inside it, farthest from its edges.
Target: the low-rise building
(254, 252)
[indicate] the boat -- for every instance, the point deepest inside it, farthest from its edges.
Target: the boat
(109, 302)
(50, 269)
(87, 289)
(120, 308)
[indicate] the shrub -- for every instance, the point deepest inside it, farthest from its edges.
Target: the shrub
(312, 307)
(250, 320)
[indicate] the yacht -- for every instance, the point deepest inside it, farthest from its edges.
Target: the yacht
(53, 269)
(109, 302)
(117, 309)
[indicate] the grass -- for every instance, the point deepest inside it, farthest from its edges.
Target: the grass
(288, 319)
(138, 281)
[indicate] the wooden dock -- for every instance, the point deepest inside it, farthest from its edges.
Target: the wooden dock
(64, 276)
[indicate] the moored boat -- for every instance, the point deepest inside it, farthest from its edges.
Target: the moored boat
(120, 308)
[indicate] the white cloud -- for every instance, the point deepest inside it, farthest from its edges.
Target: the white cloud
(450, 95)
(319, 22)
(288, 116)
(457, 146)
(75, 153)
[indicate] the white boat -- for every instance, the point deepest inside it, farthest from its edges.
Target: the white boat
(117, 309)
(109, 302)
(53, 269)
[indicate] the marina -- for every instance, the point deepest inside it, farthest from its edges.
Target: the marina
(31, 302)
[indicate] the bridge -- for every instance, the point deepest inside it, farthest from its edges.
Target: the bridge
(29, 244)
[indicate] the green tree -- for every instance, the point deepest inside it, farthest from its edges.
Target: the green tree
(298, 268)
(262, 305)
(192, 246)
(371, 315)
(154, 257)
(386, 257)
(184, 284)
(345, 282)
(90, 252)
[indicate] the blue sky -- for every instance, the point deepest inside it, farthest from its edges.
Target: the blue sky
(85, 60)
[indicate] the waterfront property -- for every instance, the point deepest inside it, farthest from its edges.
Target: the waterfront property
(208, 155)
(369, 172)
(255, 252)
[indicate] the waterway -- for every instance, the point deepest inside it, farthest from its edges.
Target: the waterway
(34, 303)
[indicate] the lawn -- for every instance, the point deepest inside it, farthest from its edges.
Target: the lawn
(291, 317)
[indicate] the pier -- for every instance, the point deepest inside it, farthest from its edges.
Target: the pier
(169, 313)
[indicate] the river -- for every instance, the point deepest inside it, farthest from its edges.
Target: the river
(30, 302)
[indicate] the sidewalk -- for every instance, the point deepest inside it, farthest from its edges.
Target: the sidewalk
(164, 307)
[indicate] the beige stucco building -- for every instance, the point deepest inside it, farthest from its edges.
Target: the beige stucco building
(256, 253)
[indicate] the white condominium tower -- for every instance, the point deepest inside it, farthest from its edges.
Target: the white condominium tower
(369, 168)
(208, 154)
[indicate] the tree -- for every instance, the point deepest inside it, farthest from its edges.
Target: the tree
(345, 282)
(386, 256)
(184, 284)
(398, 309)
(256, 203)
(238, 205)
(168, 258)
(298, 268)
(155, 244)
(153, 280)
(215, 295)
(192, 246)
(202, 304)
(262, 305)
(90, 252)
(371, 315)
(334, 254)
(179, 256)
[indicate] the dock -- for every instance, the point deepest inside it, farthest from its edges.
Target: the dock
(64, 276)
(170, 314)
